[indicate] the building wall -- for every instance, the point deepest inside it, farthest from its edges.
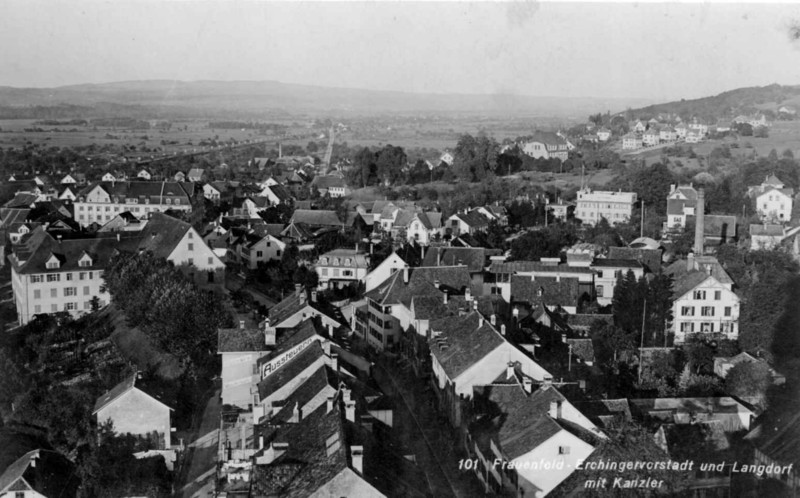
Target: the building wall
(267, 249)
(72, 292)
(239, 374)
(493, 365)
(606, 281)
(534, 480)
(100, 208)
(207, 267)
(688, 312)
(137, 413)
(346, 483)
(384, 270)
(774, 205)
(291, 384)
(616, 207)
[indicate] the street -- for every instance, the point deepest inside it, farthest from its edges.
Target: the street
(429, 435)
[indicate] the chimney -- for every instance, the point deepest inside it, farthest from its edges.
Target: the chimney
(350, 411)
(405, 275)
(480, 320)
(515, 313)
(503, 329)
(555, 409)
(510, 370)
(699, 228)
(564, 338)
(436, 283)
(422, 251)
(371, 247)
(313, 296)
(330, 404)
(272, 453)
(690, 261)
(269, 334)
(547, 381)
(493, 319)
(298, 288)
(296, 414)
(475, 304)
(357, 458)
(330, 330)
(260, 442)
(243, 436)
(672, 188)
(118, 237)
(445, 297)
(527, 384)
(468, 294)
(346, 395)
(334, 362)
(241, 324)
(438, 257)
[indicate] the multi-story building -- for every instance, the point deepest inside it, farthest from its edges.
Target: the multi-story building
(773, 201)
(342, 267)
(705, 304)
(632, 141)
(651, 137)
(100, 202)
(681, 203)
(547, 145)
(51, 275)
(615, 207)
(608, 271)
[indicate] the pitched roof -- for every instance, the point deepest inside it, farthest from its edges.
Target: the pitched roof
(292, 304)
(131, 382)
(535, 267)
(316, 217)
(155, 192)
(21, 200)
(53, 474)
(238, 339)
(719, 226)
(547, 138)
(290, 370)
(686, 279)
(473, 218)
(767, 230)
(773, 181)
(454, 279)
(675, 206)
(788, 192)
(548, 291)
(516, 421)
(649, 258)
(475, 258)
(460, 342)
(783, 443)
(289, 338)
(616, 263)
(162, 233)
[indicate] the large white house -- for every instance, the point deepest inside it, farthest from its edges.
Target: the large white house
(615, 207)
(341, 267)
(547, 145)
(705, 304)
(773, 201)
(681, 203)
(100, 202)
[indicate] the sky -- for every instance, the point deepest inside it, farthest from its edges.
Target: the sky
(563, 49)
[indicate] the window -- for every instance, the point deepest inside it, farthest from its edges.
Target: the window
(35, 279)
(727, 311)
(37, 294)
(53, 292)
(687, 327)
(259, 254)
(69, 276)
(70, 291)
(211, 261)
(91, 275)
(335, 272)
(53, 308)
(687, 311)
(699, 295)
(37, 309)
(70, 306)
(191, 247)
(707, 311)
(52, 264)
(347, 273)
(85, 290)
(87, 305)
(563, 450)
(717, 295)
(85, 262)
(706, 327)
(177, 201)
(324, 272)
(191, 261)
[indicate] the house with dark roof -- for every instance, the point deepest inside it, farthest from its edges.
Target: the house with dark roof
(332, 185)
(467, 351)
(704, 302)
(276, 194)
(650, 259)
(384, 270)
(467, 222)
(123, 222)
(533, 429)
(196, 175)
(476, 259)
(764, 236)
(390, 302)
(546, 144)
(733, 415)
(499, 274)
(608, 271)
(240, 348)
(136, 407)
(317, 218)
(39, 473)
(253, 247)
(777, 444)
(681, 203)
(545, 292)
(297, 307)
(342, 267)
(100, 202)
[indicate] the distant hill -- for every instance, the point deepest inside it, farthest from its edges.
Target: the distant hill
(727, 104)
(257, 97)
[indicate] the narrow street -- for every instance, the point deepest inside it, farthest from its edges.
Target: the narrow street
(428, 434)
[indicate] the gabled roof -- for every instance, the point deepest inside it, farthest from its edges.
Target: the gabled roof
(132, 382)
(238, 339)
(460, 342)
(774, 181)
(517, 422)
(535, 266)
(783, 443)
(721, 226)
(788, 192)
(52, 475)
(650, 259)
(162, 233)
(473, 218)
(454, 279)
(474, 258)
(547, 138)
(328, 181)
(156, 192)
(548, 291)
(22, 200)
(314, 217)
(290, 370)
(289, 338)
(291, 305)
(616, 263)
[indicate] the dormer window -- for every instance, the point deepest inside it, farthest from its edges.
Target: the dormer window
(336, 261)
(168, 201)
(147, 200)
(324, 261)
(177, 201)
(85, 260)
(53, 263)
(347, 262)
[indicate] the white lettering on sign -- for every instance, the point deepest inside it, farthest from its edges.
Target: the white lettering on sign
(274, 364)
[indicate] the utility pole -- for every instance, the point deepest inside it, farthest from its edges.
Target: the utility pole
(641, 343)
(569, 364)
(641, 230)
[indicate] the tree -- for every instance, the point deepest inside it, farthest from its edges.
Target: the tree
(748, 379)
(611, 341)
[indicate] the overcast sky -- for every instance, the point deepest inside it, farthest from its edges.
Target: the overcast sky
(659, 51)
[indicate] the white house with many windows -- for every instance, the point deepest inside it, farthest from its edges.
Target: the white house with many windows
(341, 267)
(615, 207)
(101, 202)
(775, 204)
(705, 304)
